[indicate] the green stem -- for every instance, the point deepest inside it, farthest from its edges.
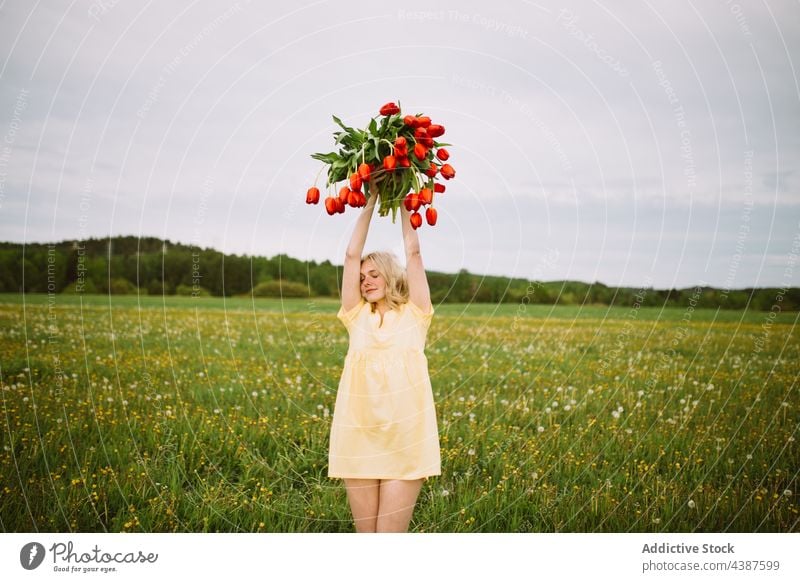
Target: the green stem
(318, 173)
(391, 145)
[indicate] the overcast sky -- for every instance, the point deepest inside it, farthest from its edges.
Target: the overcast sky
(631, 143)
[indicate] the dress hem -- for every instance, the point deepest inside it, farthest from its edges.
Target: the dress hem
(404, 478)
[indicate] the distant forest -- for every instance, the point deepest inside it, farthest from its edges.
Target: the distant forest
(129, 265)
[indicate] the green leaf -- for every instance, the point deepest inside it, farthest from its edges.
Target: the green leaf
(327, 158)
(406, 184)
(423, 165)
(340, 124)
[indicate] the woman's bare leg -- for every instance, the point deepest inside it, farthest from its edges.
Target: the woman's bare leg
(363, 497)
(397, 501)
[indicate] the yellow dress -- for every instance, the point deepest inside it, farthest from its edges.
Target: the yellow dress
(384, 419)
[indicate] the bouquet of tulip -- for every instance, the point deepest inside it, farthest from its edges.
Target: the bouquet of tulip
(396, 159)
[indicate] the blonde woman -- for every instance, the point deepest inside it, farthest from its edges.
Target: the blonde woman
(384, 440)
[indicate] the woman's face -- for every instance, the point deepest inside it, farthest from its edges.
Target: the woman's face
(373, 285)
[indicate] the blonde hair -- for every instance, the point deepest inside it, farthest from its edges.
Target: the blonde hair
(393, 274)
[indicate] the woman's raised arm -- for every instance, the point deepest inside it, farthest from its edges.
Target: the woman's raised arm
(351, 274)
(418, 291)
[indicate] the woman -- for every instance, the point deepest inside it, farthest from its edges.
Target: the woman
(384, 438)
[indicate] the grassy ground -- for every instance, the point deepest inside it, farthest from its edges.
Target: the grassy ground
(213, 415)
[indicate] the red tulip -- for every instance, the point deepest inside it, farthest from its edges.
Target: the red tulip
(448, 171)
(425, 196)
(431, 172)
(330, 205)
(355, 181)
(390, 109)
(363, 172)
(400, 146)
(404, 161)
(339, 205)
(362, 200)
(422, 137)
(416, 220)
(438, 188)
(420, 151)
(343, 193)
(443, 154)
(424, 121)
(389, 163)
(431, 215)
(412, 202)
(353, 198)
(312, 196)
(410, 121)
(435, 130)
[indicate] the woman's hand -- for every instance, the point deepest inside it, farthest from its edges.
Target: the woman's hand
(351, 274)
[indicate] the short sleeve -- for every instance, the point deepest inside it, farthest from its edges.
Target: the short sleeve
(423, 318)
(348, 317)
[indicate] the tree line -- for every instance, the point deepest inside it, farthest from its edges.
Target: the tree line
(129, 265)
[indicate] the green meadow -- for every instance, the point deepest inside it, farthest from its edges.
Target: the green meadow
(176, 414)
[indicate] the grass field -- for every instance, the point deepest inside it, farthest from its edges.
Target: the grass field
(191, 415)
